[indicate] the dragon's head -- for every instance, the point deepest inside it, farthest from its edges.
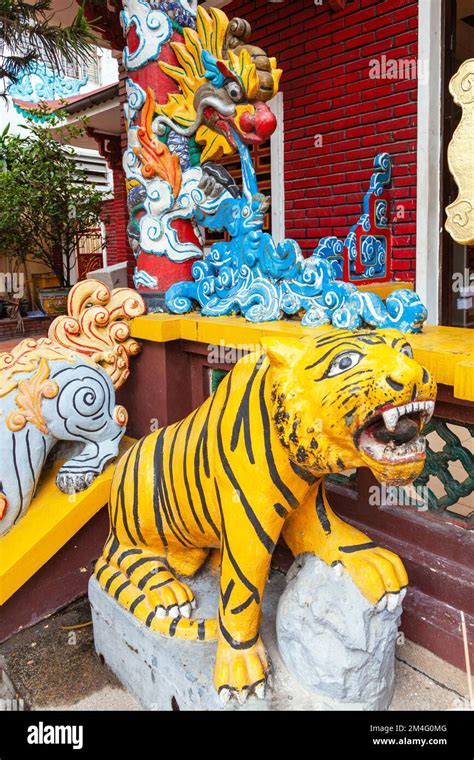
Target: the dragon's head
(345, 400)
(224, 83)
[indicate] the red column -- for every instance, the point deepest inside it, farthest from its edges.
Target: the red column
(149, 75)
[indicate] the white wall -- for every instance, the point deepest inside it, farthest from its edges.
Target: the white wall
(108, 74)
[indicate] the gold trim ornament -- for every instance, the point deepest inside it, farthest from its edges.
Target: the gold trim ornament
(28, 401)
(97, 326)
(460, 221)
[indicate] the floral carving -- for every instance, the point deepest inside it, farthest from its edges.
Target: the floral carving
(28, 401)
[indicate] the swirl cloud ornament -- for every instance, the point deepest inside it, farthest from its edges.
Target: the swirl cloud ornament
(62, 388)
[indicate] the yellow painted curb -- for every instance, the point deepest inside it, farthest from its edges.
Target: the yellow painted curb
(51, 521)
(447, 352)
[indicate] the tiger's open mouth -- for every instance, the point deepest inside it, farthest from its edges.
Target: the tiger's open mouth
(394, 435)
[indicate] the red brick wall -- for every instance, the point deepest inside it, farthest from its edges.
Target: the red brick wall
(115, 212)
(37, 326)
(325, 56)
(115, 218)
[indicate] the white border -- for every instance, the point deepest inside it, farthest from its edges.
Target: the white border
(429, 159)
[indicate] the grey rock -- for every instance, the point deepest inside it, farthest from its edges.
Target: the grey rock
(333, 641)
(335, 646)
(167, 674)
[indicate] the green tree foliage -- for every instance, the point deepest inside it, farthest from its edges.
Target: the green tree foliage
(28, 35)
(46, 203)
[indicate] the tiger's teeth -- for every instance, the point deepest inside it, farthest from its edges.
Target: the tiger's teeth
(390, 419)
(429, 409)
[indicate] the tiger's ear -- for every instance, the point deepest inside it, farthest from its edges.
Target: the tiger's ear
(283, 352)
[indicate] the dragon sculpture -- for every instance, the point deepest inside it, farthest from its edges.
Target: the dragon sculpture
(169, 164)
(221, 108)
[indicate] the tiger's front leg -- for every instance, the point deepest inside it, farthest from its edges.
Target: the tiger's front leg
(314, 528)
(242, 666)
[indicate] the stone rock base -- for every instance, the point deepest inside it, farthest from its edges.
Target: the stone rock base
(333, 640)
(170, 674)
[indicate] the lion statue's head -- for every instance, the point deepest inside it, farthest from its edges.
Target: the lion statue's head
(345, 399)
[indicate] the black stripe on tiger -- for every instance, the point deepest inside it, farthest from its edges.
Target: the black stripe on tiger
(120, 588)
(114, 545)
(142, 561)
(171, 477)
(226, 547)
(243, 418)
(127, 553)
(168, 512)
(233, 643)
(358, 547)
(111, 580)
(150, 618)
(121, 497)
(185, 474)
(100, 572)
(280, 510)
(337, 344)
(204, 435)
(227, 593)
(136, 492)
(243, 606)
(156, 570)
(321, 512)
(157, 460)
(286, 492)
(166, 582)
(319, 361)
(174, 625)
(197, 479)
(303, 474)
(136, 602)
(354, 374)
(263, 536)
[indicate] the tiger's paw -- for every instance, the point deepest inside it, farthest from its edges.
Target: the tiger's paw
(378, 573)
(239, 673)
(74, 482)
(170, 597)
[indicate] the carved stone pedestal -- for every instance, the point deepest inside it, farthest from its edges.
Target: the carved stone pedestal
(170, 674)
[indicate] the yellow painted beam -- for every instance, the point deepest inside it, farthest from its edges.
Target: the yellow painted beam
(51, 521)
(215, 330)
(383, 289)
(447, 352)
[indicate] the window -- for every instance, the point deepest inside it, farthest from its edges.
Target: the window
(78, 69)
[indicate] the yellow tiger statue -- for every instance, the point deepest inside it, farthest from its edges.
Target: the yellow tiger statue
(247, 467)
